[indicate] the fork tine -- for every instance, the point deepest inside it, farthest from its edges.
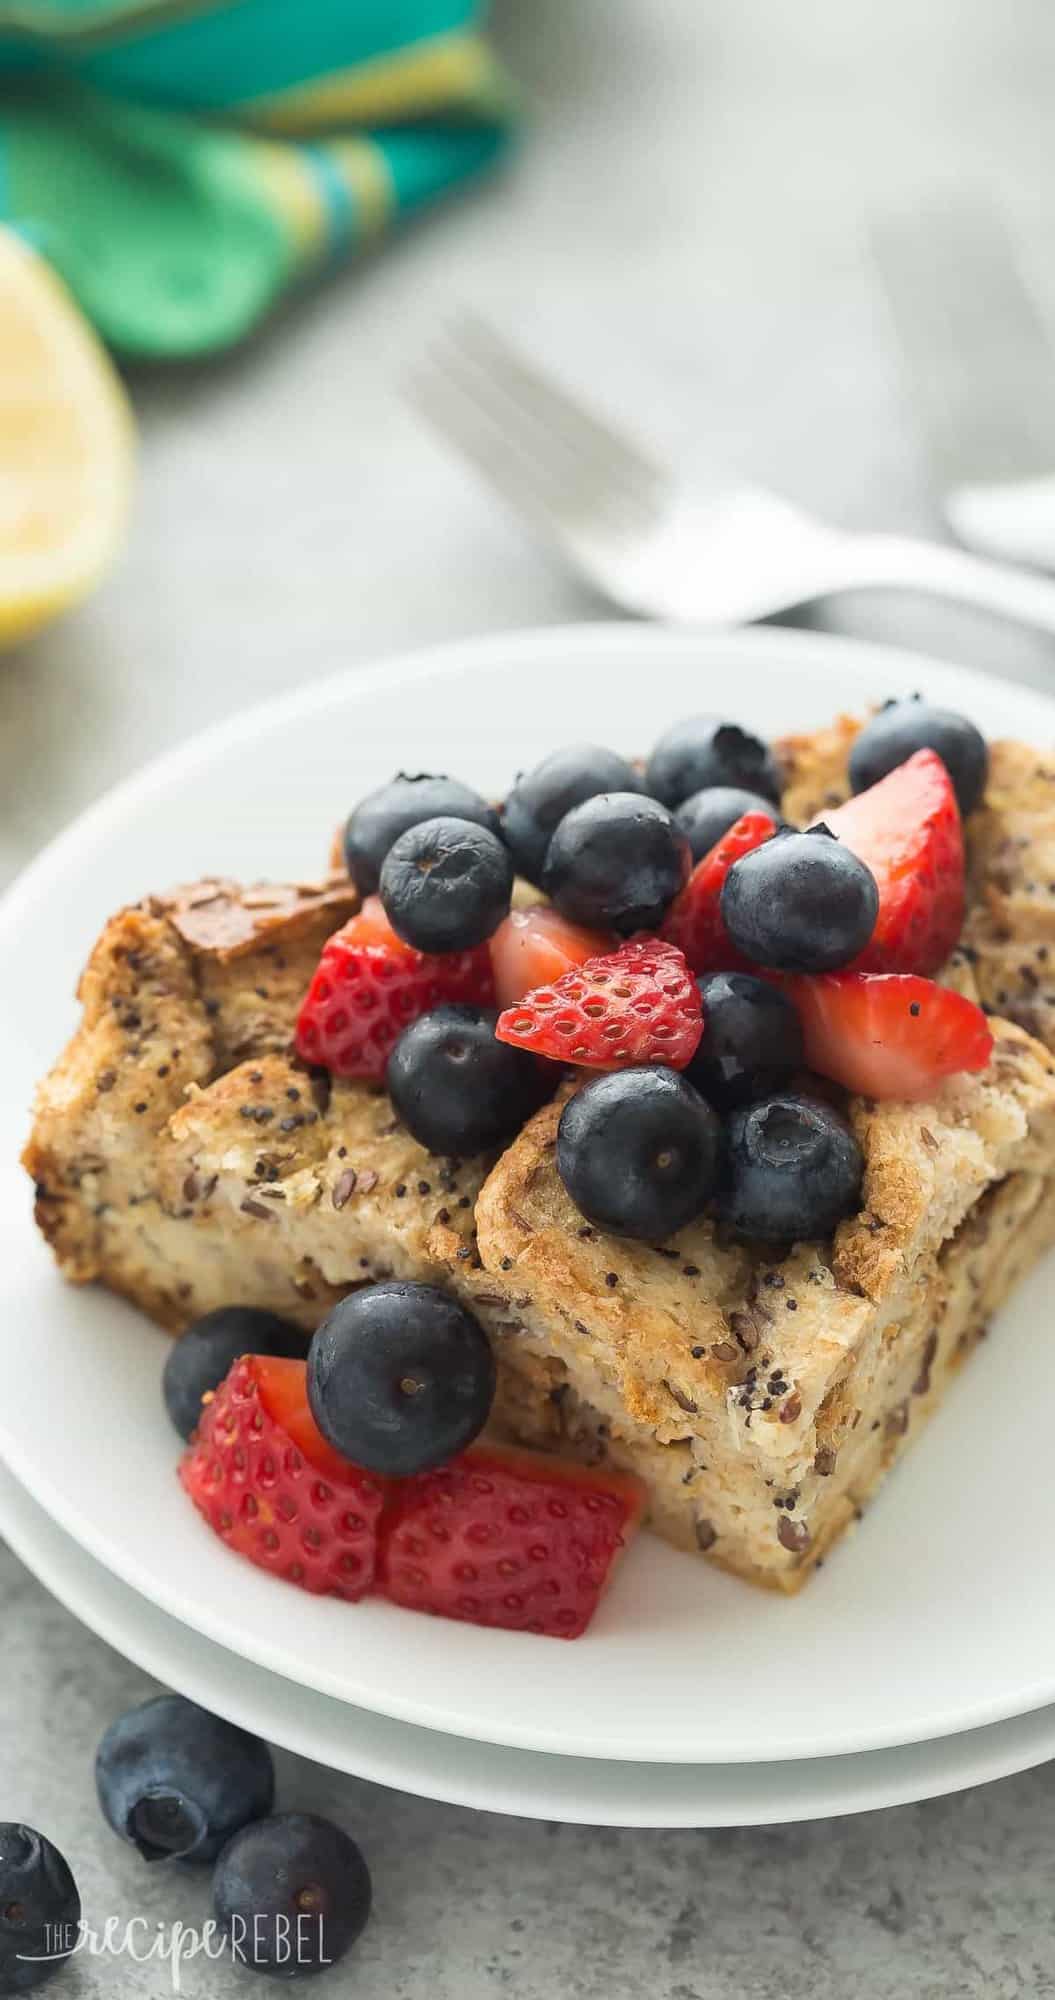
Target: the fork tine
(460, 419)
(552, 409)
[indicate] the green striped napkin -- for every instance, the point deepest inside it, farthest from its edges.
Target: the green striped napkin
(184, 162)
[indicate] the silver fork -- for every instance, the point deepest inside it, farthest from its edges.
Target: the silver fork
(651, 546)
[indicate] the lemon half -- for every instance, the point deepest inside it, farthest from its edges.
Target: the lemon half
(66, 447)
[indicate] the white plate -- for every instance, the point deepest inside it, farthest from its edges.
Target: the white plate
(933, 1618)
(525, 1783)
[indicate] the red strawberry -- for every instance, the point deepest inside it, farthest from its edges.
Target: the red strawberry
(271, 1487)
(907, 830)
(368, 985)
(509, 1538)
(639, 1004)
(534, 947)
(694, 921)
(888, 1034)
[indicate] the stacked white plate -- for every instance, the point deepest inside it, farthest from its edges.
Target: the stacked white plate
(921, 1659)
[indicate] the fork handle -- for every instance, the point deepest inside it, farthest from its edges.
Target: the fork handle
(898, 563)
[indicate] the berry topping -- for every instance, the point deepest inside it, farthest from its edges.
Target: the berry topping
(201, 1357)
(907, 830)
(378, 821)
(903, 727)
(705, 816)
(272, 1488)
(40, 1909)
(635, 1005)
(400, 1377)
(291, 1894)
(368, 985)
(446, 884)
(889, 1035)
(178, 1782)
(793, 1169)
(615, 863)
(751, 1043)
(638, 1152)
(694, 922)
(509, 1538)
(704, 751)
(540, 798)
(534, 947)
(801, 903)
(456, 1088)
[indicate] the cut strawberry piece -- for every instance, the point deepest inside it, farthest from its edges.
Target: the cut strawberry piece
(368, 985)
(888, 1034)
(694, 920)
(907, 830)
(269, 1485)
(534, 947)
(636, 1005)
(507, 1537)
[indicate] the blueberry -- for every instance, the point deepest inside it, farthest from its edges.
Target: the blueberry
(616, 862)
(200, 1359)
(706, 815)
(400, 1378)
(291, 1894)
(377, 821)
(177, 1781)
(902, 727)
(800, 903)
(638, 1152)
(793, 1170)
(446, 884)
(40, 1910)
(457, 1089)
(540, 798)
(704, 751)
(751, 1043)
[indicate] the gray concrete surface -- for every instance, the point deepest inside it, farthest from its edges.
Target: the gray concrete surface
(684, 229)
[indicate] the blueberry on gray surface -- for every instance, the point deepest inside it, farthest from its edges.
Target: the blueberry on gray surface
(802, 902)
(792, 1171)
(377, 821)
(705, 816)
(400, 1377)
(902, 727)
(291, 1895)
(178, 1781)
(751, 1043)
(541, 797)
(456, 1088)
(638, 1152)
(198, 1361)
(616, 863)
(446, 884)
(702, 751)
(40, 1909)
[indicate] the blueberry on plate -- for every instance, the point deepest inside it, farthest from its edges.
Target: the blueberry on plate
(400, 1378)
(638, 1152)
(291, 1894)
(446, 884)
(902, 727)
(456, 1088)
(198, 1361)
(706, 815)
(540, 798)
(40, 1909)
(616, 863)
(377, 822)
(751, 1043)
(793, 1170)
(177, 1781)
(704, 751)
(800, 903)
